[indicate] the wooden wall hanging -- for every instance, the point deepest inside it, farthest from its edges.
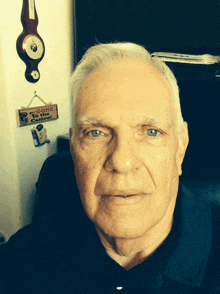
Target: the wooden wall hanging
(35, 115)
(30, 46)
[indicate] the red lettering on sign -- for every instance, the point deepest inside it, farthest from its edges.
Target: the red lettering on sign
(44, 110)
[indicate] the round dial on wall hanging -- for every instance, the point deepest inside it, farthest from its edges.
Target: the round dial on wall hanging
(33, 46)
(30, 46)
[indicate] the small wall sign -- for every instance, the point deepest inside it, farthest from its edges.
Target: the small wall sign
(36, 115)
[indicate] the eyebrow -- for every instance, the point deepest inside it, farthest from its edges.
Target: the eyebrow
(102, 122)
(90, 121)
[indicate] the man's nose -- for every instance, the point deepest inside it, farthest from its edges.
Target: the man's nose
(123, 157)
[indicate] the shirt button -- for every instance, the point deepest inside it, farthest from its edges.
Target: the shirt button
(119, 288)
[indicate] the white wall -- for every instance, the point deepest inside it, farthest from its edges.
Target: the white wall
(20, 160)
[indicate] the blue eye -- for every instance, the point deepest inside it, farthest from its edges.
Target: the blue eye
(152, 132)
(95, 133)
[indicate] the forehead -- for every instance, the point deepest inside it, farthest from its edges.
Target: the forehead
(125, 90)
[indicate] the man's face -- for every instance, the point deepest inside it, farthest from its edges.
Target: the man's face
(125, 149)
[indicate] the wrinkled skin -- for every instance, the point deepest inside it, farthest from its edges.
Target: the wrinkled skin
(125, 142)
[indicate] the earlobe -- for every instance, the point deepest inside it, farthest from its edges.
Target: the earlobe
(183, 143)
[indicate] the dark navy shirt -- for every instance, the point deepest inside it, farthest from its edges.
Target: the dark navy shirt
(62, 253)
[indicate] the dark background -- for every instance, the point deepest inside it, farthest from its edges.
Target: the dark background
(189, 26)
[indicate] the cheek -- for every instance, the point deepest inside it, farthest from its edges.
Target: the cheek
(162, 170)
(86, 172)
(161, 165)
(155, 156)
(88, 164)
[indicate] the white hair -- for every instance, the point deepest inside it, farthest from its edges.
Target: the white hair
(104, 54)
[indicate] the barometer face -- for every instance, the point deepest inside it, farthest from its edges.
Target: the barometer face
(33, 46)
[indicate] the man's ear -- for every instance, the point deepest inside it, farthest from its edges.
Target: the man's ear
(183, 143)
(71, 133)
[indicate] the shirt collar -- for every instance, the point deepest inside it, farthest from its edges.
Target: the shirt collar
(188, 262)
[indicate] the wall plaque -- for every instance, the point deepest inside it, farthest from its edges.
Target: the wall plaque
(36, 115)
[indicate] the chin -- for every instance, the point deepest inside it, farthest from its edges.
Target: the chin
(124, 229)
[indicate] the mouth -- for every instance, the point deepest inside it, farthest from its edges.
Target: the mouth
(124, 199)
(125, 196)
(123, 193)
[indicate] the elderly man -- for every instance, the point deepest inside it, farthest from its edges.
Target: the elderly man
(147, 234)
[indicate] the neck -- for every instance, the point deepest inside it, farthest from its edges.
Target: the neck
(131, 252)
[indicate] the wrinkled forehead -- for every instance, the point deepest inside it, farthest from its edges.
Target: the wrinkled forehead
(128, 89)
